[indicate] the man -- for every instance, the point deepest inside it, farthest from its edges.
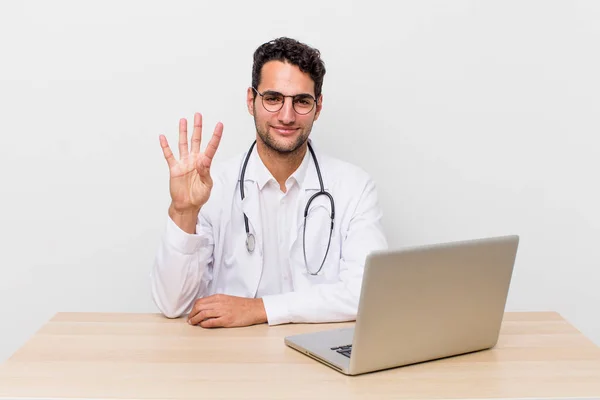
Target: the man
(238, 255)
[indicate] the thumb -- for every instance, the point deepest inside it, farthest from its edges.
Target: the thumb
(203, 168)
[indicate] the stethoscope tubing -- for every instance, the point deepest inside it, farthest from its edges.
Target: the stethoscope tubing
(251, 240)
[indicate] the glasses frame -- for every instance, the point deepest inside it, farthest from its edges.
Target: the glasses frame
(284, 96)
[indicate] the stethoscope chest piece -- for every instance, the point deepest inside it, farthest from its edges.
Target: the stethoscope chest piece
(250, 242)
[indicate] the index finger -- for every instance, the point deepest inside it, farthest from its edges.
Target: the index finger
(202, 303)
(218, 322)
(167, 151)
(213, 145)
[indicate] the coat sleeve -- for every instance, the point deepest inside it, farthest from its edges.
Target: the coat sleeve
(182, 267)
(334, 302)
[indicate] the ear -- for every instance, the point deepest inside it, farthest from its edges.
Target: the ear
(250, 101)
(319, 107)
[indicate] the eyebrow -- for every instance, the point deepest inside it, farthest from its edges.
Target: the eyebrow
(295, 95)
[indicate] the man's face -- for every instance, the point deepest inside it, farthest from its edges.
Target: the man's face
(284, 131)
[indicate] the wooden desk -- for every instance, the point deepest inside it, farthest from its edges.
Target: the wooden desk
(143, 356)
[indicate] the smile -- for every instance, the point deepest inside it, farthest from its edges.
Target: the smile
(284, 131)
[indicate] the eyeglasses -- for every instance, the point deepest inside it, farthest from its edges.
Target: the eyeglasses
(273, 101)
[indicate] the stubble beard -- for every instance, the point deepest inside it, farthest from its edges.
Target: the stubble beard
(271, 143)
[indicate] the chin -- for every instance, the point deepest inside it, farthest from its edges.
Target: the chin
(284, 144)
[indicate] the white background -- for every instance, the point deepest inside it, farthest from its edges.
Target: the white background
(475, 118)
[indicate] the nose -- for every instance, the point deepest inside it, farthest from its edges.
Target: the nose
(287, 115)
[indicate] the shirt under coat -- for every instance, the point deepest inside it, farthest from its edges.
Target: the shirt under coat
(215, 259)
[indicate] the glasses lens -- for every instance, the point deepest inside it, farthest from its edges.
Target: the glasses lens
(272, 101)
(303, 104)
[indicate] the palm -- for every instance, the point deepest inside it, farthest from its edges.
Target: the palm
(190, 180)
(187, 187)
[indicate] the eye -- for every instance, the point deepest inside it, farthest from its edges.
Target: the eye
(304, 101)
(273, 98)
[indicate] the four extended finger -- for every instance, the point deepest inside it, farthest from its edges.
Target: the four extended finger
(167, 151)
(183, 143)
(197, 133)
(205, 160)
(213, 145)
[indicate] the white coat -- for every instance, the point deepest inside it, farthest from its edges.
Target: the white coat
(215, 259)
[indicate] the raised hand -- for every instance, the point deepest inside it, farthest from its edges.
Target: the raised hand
(190, 181)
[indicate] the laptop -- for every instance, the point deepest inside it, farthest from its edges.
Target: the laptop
(421, 304)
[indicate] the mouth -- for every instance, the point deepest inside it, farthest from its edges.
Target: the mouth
(283, 130)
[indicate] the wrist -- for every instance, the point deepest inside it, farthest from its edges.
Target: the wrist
(184, 212)
(184, 219)
(261, 313)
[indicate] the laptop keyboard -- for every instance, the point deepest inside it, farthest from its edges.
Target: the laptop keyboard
(343, 350)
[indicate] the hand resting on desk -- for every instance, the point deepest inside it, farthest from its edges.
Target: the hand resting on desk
(224, 311)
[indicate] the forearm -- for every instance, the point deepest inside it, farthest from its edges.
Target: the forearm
(179, 269)
(336, 301)
(327, 302)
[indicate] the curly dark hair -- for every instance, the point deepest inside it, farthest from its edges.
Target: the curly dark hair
(284, 49)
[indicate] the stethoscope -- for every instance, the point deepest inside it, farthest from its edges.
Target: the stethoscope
(251, 240)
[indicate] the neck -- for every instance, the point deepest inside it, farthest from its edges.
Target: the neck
(281, 165)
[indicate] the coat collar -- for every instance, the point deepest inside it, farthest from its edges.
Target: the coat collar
(306, 175)
(257, 176)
